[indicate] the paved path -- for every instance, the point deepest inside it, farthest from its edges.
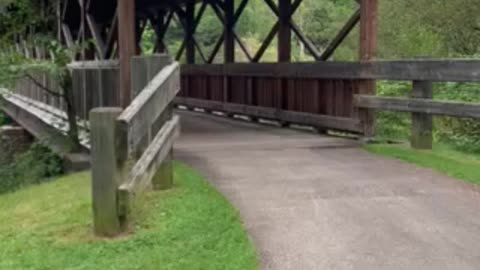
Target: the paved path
(312, 202)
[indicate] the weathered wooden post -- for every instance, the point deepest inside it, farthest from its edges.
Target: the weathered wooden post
(422, 123)
(368, 51)
(126, 47)
(104, 171)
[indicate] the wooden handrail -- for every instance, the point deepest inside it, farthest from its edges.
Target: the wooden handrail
(137, 119)
(406, 70)
(131, 149)
(427, 106)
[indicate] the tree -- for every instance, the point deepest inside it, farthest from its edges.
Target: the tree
(15, 67)
(29, 20)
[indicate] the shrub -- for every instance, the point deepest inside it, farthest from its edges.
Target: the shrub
(35, 166)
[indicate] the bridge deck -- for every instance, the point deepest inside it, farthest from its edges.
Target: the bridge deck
(313, 202)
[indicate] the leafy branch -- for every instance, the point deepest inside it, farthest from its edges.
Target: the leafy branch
(43, 87)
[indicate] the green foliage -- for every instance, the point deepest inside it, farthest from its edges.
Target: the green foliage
(464, 134)
(393, 125)
(442, 158)
(35, 166)
(4, 120)
(190, 226)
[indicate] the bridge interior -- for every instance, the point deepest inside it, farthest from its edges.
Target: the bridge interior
(283, 91)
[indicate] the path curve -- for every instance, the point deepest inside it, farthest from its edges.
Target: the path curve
(313, 202)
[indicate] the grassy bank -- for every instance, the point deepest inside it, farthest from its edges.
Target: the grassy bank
(442, 158)
(189, 227)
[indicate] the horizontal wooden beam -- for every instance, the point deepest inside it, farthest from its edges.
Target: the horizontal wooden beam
(336, 123)
(427, 106)
(147, 107)
(42, 122)
(102, 64)
(143, 171)
(447, 70)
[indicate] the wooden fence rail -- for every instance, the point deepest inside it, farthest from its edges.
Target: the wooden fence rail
(319, 94)
(423, 107)
(94, 84)
(131, 150)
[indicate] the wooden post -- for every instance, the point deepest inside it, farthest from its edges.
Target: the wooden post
(190, 31)
(229, 44)
(422, 123)
(284, 31)
(161, 29)
(368, 51)
(284, 51)
(127, 47)
(104, 154)
(229, 47)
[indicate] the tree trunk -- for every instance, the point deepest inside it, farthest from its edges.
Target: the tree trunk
(71, 112)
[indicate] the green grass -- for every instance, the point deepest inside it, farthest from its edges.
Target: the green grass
(442, 158)
(189, 227)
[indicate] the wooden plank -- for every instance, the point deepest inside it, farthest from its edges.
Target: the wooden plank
(150, 104)
(229, 36)
(454, 70)
(442, 70)
(163, 178)
(327, 70)
(139, 75)
(103, 64)
(422, 123)
(110, 96)
(284, 31)
(155, 63)
(145, 68)
(336, 123)
(190, 31)
(104, 171)
(147, 166)
(446, 108)
(368, 29)
(41, 120)
(368, 52)
(126, 46)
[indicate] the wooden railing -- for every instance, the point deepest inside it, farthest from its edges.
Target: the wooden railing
(422, 108)
(317, 94)
(93, 86)
(95, 83)
(131, 150)
(320, 94)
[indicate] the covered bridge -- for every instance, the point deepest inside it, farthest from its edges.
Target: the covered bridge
(318, 94)
(309, 201)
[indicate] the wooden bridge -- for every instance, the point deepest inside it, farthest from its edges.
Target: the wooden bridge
(131, 144)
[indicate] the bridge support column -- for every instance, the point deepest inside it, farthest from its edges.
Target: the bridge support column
(368, 52)
(284, 51)
(189, 32)
(284, 31)
(229, 43)
(127, 47)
